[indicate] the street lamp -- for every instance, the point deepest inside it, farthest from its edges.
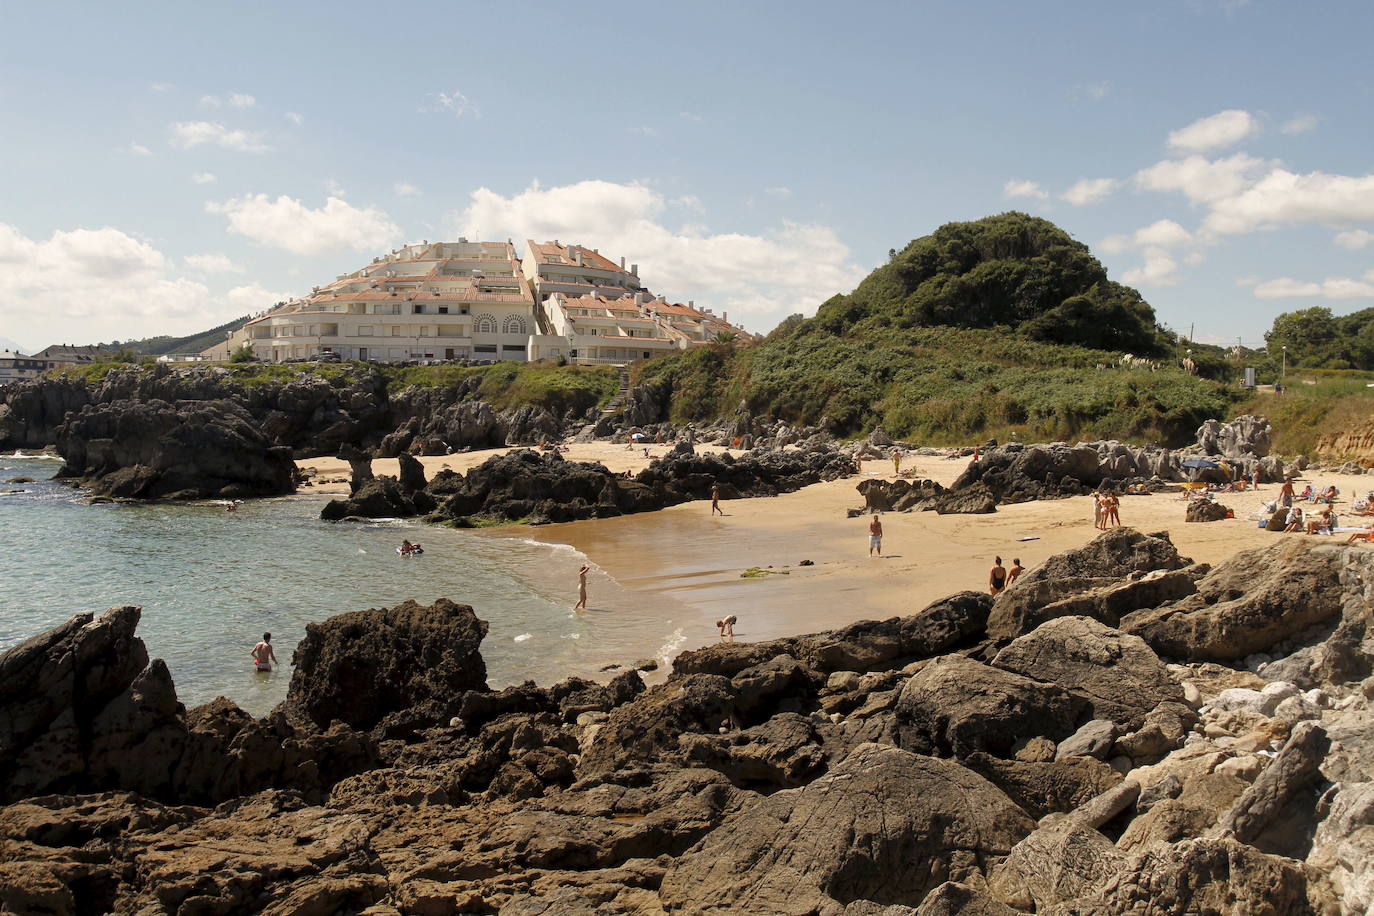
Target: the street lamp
(1283, 373)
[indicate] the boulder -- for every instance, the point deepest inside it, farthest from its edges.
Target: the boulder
(955, 706)
(1093, 739)
(1046, 787)
(1023, 607)
(1205, 510)
(883, 826)
(1247, 604)
(1118, 675)
(362, 666)
(1058, 862)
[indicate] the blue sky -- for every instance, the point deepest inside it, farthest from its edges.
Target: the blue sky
(166, 167)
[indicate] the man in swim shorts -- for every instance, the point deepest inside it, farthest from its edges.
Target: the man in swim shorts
(263, 656)
(875, 537)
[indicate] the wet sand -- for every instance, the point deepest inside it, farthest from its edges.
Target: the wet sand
(686, 554)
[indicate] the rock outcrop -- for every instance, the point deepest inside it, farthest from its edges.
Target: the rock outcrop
(917, 765)
(153, 449)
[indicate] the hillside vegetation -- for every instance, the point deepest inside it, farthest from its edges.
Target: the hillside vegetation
(1317, 405)
(558, 389)
(1001, 327)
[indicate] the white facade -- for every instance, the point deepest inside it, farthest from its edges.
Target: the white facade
(16, 367)
(574, 270)
(595, 329)
(443, 300)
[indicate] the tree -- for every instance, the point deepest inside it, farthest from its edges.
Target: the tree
(242, 354)
(726, 336)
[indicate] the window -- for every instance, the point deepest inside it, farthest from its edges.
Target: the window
(443, 310)
(395, 330)
(514, 324)
(424, 330)
(451, 330)
(484, 348)
(486, 324)
(513, 348)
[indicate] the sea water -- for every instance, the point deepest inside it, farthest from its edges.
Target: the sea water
(210, 582)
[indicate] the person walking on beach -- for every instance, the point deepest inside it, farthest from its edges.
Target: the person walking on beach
(1286, 493)
(581, 604)
(715, 499)
(1015, 572)
(997, 577)
(896, 463)
(263, 656)
(875, 536)
(727, 626)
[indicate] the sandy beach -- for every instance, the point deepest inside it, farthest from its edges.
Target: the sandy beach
(685, 553)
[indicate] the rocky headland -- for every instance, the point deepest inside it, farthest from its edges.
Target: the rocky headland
(539, 487)
(1121, 731)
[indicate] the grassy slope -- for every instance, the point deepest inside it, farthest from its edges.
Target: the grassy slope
(941, 386)
(1316, 403)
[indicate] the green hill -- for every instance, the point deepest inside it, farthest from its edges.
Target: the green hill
(1000, 327)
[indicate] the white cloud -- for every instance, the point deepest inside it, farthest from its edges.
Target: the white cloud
(1330, 288)
(89, 284)
(689, 202)
(405, 189)
(1202, 180)
(1194, 258)
(1286, 197)
(204, 178)
(1221, 129)
(1159, 269)
(138, 149)
(159, 87)
(644, 131)
(757, 278)
(1164, 233)
(1092, 92)
(1023, 188)
(210, 101)
(190, 134)
(253, 298)
(1089, 190)
(241, 100)
(1301, 124)
(212, 264)
(780, 193)
(454, 103)
(295, 117)
(1354, 239)
(689, 116)
(287, 223)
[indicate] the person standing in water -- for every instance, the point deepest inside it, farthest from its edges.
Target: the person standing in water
(715, 499)
(263, 656)
(997, 578)
(581, 604)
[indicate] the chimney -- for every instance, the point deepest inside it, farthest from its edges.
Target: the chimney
(557, 244)
(634, 270)
(622, 263)
(691, 303)
(725, 316)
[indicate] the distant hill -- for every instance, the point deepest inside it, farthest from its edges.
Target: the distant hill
(998, 327)
(163, 343)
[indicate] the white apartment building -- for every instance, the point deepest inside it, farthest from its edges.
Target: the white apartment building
(16, 367)
(442, 300)
(576, 271)
(596, 329)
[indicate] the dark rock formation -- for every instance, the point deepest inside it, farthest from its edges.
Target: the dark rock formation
(361, 667)
(1205, 510)
(1247, 604)
(529, 486)
(885, 826)
(192, 450)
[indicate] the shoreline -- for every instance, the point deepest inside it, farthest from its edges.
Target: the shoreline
(683, 554)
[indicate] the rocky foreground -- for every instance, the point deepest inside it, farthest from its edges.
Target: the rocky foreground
(1122, 731)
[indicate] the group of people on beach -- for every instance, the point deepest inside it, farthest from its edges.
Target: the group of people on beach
(1106, 510)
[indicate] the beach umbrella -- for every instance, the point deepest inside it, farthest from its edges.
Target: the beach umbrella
(637, 436)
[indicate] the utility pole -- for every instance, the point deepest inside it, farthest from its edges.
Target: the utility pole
(1191, 327)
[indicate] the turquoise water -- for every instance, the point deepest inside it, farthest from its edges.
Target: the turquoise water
(211, 582)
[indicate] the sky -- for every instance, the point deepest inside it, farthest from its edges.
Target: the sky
(168, 167)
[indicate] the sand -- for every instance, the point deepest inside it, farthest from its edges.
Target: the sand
(697, 559)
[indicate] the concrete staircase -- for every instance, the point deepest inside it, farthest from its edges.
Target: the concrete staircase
(614, 406)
